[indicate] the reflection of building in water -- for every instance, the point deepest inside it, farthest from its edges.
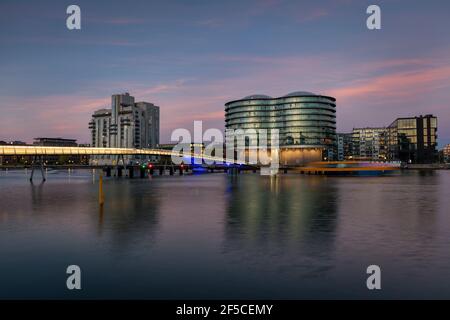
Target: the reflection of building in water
(131, 213)
(282, 216)
(379, 223)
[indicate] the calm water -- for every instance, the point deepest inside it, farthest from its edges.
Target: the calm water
(214, 236)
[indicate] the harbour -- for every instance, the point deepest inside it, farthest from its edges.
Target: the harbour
(222, 236)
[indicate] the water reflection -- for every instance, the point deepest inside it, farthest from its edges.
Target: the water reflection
(224, 236)
(130, 213)
(36, 192)
(281, 222)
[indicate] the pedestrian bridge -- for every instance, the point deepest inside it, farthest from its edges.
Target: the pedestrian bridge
(10, 150)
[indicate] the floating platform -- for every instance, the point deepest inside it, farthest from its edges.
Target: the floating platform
(350, 168)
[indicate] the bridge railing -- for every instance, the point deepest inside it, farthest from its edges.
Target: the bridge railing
(47, 150)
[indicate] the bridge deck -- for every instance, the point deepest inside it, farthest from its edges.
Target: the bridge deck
(44, 150)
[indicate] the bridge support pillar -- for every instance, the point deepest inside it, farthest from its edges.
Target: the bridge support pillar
(142, 172)
(131, 172)
(37, 161)
(124, 165)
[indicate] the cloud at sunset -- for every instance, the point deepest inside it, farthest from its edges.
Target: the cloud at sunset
(191, 64)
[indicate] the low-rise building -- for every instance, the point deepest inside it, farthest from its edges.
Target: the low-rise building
(14, 160)
(55, 142)
(58, 142)
(446, 153)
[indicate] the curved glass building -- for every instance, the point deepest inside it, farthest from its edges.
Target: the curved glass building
(305, 120)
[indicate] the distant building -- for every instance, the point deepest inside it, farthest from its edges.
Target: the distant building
(48, 159)
(446, 152)
(344, 146)
(55, 142)
(150, 128)
(369, 143)
(14, 160)
(413, 139)
(59, 142)
(126, 125)
(14, 143)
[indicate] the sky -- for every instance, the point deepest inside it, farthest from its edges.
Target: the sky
(191, 57)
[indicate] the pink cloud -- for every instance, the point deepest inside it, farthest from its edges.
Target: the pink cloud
(405, 85)
(57, 115)
(363, 95)
(367, 94)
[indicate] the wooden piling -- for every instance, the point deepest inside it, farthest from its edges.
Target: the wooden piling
(101, 196)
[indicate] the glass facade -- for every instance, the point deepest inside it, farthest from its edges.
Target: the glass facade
(413, 139)
(303, 118)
